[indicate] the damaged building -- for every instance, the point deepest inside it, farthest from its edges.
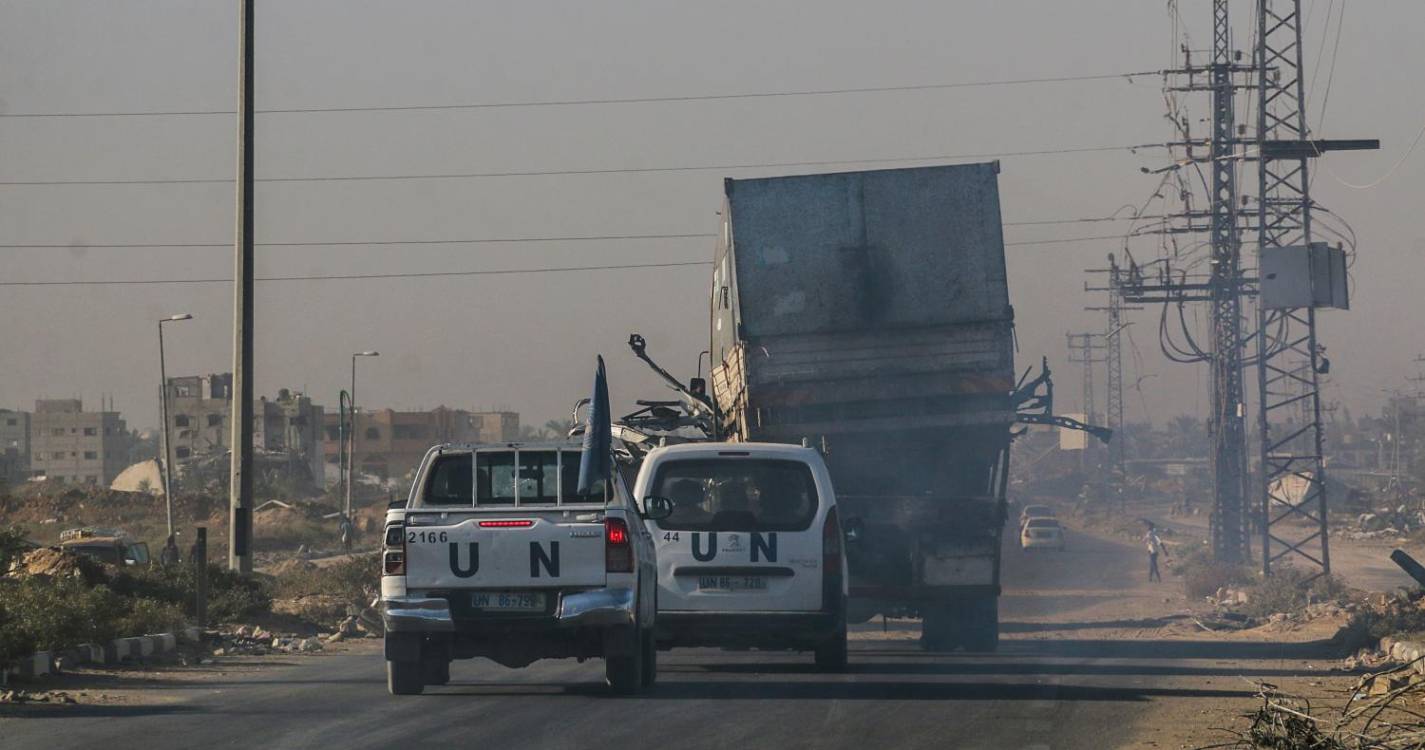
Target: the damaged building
(69, 444)
(391, 443)
(286, 428)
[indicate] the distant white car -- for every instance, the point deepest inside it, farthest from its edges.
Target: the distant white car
(1034, 511)
(1041, 533)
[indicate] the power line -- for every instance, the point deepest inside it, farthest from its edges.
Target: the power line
(624, 100)
(340, 243)
(475, 241)
(1388, 172)
(574, 172)
(1061, 240)
(349, 277)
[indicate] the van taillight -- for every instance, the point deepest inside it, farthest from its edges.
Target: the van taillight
(831, 536)
(393, 557)
(831, 541)
(618, 548)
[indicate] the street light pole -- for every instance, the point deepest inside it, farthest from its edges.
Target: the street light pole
(163, 409)
(351, 454)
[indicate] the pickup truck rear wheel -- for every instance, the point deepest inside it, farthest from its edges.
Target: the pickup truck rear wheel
(623, 660)
(404, 677)
(435, 671)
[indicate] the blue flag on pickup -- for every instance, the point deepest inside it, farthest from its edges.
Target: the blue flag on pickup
(595, 460)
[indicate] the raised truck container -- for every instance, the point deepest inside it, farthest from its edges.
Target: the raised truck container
(867, 314)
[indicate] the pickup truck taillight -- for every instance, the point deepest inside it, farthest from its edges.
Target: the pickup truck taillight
(618, 547)
(393, 558)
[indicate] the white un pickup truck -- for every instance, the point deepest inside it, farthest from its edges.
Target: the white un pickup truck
(495, 555)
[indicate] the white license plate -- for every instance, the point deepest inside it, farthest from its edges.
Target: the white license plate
(508, 601)
(732, 583)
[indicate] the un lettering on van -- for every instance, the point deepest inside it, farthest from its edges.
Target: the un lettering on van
(466, 565)
(762, 547)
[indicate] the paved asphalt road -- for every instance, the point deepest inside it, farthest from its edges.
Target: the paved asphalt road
(1047, 687)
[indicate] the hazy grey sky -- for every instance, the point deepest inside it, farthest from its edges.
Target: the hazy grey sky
(528, 342)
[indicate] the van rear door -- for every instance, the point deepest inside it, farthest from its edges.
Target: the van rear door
(745, 534)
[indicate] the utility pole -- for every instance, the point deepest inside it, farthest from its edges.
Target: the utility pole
(1117, 448)
(351, 454)
(240, 470)
(1290, 360)
(1084, 349)
(1222, 289)
(1229, 423)
(163, 409)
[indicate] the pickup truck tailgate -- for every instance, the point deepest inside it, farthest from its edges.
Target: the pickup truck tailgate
(515, 551)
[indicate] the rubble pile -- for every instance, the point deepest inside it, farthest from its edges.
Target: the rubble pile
(1385, 523)
(54, 562)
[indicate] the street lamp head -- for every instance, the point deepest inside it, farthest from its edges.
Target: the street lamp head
(180, 316)
(367, 354)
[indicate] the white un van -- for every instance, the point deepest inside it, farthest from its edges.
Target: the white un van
(751, 554)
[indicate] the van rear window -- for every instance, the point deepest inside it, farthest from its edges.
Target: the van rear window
(737, 495)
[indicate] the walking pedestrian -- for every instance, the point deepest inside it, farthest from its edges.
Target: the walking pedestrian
(1154, 543)
(169, 556)
(347, 532)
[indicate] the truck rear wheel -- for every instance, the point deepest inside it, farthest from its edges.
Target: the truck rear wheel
(623, 660)
(940, 628)
(404, 677)
(982, 631)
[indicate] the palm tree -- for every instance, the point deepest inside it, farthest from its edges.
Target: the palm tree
(558, 427)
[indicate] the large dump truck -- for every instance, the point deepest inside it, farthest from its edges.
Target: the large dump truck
(867, 314)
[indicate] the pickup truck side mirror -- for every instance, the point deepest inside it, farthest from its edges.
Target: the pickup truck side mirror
(657, 507)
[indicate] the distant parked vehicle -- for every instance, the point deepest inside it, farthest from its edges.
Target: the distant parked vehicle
(1041, 533)
(112, 546)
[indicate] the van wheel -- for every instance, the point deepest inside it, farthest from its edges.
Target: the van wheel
(404, 678)
(435, 671)
(623, 660)
(831, 654)
(650, 659)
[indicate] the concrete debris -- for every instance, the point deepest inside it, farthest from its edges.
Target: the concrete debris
(41, 696)
(248, 640)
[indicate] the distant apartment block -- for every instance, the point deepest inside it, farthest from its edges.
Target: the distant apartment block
(391, 443)
(14, 446)
(68, 444)
(199, 410)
